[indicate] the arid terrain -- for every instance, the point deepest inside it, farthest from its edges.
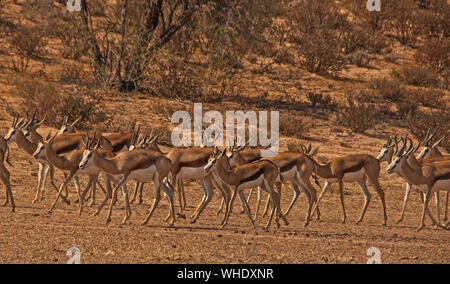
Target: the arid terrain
(354, 113)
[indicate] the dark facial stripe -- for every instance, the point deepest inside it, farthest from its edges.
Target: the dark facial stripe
(355, 168)
(254, 176)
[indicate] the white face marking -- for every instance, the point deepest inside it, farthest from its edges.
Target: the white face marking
(425, 153)
(394, 166)
(63, 130)
(382, 153)
(39, 151)
(211, 163)
(11, 135)
(87, 158)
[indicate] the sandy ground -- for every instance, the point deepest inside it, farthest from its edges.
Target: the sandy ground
(31, 235)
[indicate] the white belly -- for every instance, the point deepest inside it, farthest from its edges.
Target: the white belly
(89, 171)
(349, 177)
(254, 183)
(290, 174)
(442, 185)
(192, 173)
(143, 175)
(124, 148)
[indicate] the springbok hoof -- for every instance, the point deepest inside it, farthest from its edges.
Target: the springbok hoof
(181, 215)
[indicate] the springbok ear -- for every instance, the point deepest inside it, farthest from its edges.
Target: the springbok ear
(216, 150)
(222, 153)
(53, 137)
(49, 135)
(308, 149)
(96, 146)
(240, 148)
(37, 125)
(83, 141)
(314, 152)
(438, 142)
(21, 123)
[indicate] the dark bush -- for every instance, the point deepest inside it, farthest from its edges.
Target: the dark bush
(320, 100)
(388, 89)
(433, 98)
(434, 53)
(294, 125)
(416, 75)
(358, 117)
(49, 100)
(419, 123)
(359, 58)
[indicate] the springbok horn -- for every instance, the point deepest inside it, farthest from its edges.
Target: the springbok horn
(400, 151)
(426, 137)
(395, 145)
(407, 152)
(21, 123)
(13, 122)
(314, 152)
(437, 142)
(432, 136)
(76, 121)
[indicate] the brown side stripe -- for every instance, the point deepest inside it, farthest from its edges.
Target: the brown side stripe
(355, 168)
(441, 177)
(195, 164)
(67, 149)
(254, 159)
(119, 146)
(288, 166)
(254, 176)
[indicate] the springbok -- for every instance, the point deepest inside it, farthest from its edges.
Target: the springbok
(69, 163)
(140, 165)
(143, 142)
(294, 167)
(261, 173)
(351, 168)
(188, 163)
(429, 178)
(248, 156)
(5, 175)
(66, 127)
(15, 134)
(417, 163)
(433, 152)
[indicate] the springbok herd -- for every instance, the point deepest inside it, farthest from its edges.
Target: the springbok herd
(121, 157)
